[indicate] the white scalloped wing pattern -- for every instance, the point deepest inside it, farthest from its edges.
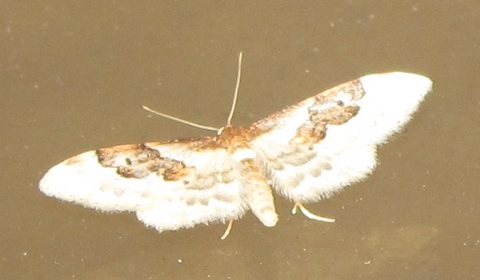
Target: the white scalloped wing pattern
(348, 152)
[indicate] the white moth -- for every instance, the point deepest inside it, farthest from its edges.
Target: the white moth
(306, 152)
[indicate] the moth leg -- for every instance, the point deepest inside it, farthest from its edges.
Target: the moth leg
(227, 231)
(309, 214)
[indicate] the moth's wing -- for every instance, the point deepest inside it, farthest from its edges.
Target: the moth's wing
(315, 148)
(169, 185)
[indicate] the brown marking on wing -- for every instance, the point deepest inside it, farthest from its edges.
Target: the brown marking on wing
(335, 106)
(309, 133)
(204, 181)
(336, 115)
(314, 130)
(340, 95)
(194, 144)
(298, 156)
(190, 201)
(329, 108)
(225, 197)
(351, 91)
(139, 161)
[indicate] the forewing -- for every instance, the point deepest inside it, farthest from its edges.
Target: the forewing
(315, 148)
(169, 185)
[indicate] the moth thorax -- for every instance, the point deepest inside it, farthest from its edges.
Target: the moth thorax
(234, 136)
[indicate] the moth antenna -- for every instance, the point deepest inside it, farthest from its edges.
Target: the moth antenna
(237, 86)
(180, 120)
(232, 109)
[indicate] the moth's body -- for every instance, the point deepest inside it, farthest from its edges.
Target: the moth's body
(305, 152)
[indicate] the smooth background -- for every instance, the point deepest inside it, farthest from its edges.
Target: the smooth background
(73, 77)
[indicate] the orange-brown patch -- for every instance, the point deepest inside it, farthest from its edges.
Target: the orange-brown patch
(139, 161)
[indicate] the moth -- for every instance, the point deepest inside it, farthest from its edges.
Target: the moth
(305, 152)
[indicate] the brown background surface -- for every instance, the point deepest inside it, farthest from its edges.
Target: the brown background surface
(74, 76)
